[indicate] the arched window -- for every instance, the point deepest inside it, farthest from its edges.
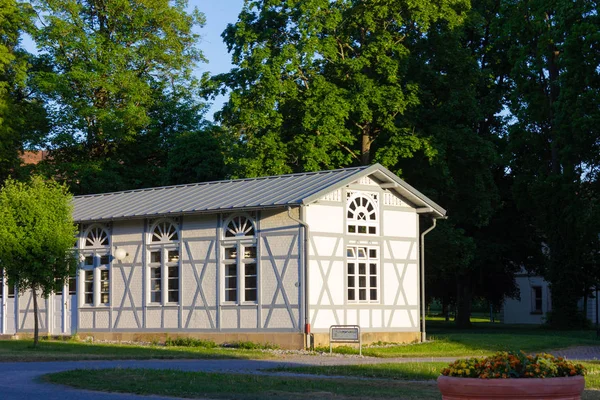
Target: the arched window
(240, 261)
(163, 263)
(95, 268)
(362, 213)
(96, 236)
(239, 225)
(164, 231)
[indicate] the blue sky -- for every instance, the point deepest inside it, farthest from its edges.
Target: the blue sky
(218, 14)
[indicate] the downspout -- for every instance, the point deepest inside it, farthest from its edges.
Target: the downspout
(306, 254)
(423, 331)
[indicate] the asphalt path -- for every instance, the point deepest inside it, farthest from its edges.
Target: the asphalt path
(20, 380)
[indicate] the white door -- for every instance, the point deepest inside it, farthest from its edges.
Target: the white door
(70, 304)
(57, 309)
(10, 310)
(2, 304)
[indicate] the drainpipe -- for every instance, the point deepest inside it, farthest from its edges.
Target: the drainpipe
(306, 254)
(423, 331)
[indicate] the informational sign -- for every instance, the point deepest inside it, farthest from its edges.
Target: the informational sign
(345, 334)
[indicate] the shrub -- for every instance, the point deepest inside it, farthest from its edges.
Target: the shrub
(190, 342)
(514, 365)
(250, 345)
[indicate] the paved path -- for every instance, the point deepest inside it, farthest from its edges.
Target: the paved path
(19, 381)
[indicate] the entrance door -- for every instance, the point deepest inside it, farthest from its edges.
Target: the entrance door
(57, 317)
(71, 307)
(10, 310)
(2, 304)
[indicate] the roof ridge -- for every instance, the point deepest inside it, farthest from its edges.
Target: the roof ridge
(362, 167)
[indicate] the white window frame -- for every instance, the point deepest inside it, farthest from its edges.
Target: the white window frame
(371, 226)
(243, 240)
(370, 256)
(164, 246)
(101, 259)
(534, 309)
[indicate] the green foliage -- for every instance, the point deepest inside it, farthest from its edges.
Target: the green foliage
(119, 86)
(250, 345)
(555, 138)
(323, 84)
(36, 236)
(190, 342)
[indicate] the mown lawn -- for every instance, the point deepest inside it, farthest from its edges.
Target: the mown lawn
(234, 386)
(399, 381)
(48, 350)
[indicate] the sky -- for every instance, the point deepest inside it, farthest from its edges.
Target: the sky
(218, 14)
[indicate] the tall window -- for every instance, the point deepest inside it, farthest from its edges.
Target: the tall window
(362, 272)
(240, 275)
(95, 268)
(362, 214)
(163, 266)
(536, 299)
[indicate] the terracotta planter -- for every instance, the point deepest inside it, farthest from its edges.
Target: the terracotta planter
(454, 388)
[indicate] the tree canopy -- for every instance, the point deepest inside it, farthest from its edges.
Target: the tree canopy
(37, 234)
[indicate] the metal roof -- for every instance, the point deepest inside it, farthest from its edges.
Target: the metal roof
(255, 193)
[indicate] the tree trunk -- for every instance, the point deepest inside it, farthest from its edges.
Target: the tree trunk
(463, 302)
(36, 333)
(365, 148)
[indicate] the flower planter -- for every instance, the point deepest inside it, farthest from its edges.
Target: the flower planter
(457, 388)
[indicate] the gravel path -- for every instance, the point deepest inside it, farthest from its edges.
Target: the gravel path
(19, 381)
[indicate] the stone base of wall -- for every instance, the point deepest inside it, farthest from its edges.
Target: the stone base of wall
(322, 339)
(289, 341)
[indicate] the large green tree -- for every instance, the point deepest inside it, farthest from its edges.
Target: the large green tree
(322, 84)
(553, 49)
(120, 69)
(22, 116)
(36, 238)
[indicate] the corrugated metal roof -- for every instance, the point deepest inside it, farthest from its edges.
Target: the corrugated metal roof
(255, 193)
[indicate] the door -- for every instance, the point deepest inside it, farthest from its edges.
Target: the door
(2, 304)
(57, 317)
(70, 305)
(10, 310)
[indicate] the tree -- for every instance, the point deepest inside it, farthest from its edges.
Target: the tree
(36, 237)
(22, 116)
(555, 138)
(116, 68)
(322, 84)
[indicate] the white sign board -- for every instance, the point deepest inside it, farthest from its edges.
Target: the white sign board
(345, 334)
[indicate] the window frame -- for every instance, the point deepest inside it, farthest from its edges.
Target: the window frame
(164, 246)
(353, 258)
(101, 262)
(241, 243)
(535, 299)
(353, 223)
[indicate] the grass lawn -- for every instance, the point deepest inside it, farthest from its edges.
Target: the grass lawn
(391, 383)
(233, 386)
(22, 350)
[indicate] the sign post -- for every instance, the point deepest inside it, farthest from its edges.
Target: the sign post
(345, 334)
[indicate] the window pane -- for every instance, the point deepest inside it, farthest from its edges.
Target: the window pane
(373, 269)
(89, 260)
(230, 253)
(173, 296)
(372, 253)
(173, 255)
(104, 298)
(105, 259)
(372, 230)
(231, 282)
(155, 285)
(250, 252)
(362, 281)
(373, 282)
(351, 294)
(230, 295)
(350, 268)
(104, 274)
(362, 229)
(72, 285)
(155, 273)
(155, 297)
(250, 269)
(231, 270)
(362, 294)
(250, 282)
(89, 298)
(350, 252)
(89, 287)
(373, 294)
(250, 294)
(173, 284)
(155, 256)
(362, 268)
(351, 229)
(362, 252)
(351, 282)
(173, 272)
